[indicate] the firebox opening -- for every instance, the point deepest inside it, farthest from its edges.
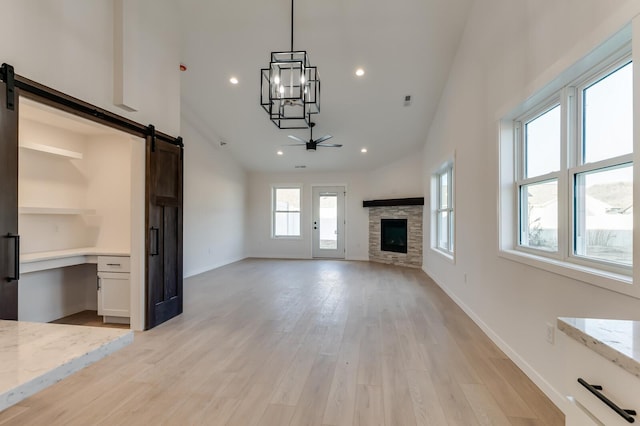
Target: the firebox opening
(393, 234)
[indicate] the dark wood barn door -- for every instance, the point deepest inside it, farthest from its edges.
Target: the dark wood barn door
(9, 239)
(164, 231)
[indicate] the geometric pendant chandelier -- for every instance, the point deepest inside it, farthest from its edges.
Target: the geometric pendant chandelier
(290, 88)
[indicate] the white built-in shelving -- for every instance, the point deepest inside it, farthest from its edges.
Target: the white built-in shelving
(53, 150)
(55, 210)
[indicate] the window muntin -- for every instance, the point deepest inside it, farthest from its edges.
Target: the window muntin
(591, 172)
(286, 212)
(444, 228)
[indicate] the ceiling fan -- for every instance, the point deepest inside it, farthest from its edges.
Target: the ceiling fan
(313, 144)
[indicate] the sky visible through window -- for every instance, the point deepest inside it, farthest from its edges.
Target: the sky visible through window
(603, 196)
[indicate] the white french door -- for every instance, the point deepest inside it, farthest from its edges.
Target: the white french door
(328, 222)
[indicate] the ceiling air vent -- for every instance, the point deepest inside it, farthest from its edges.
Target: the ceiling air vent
(300, 167)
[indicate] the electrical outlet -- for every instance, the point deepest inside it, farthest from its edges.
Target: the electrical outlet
(551, 332)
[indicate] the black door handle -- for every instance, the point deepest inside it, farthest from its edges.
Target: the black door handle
(16, 257)
(156, 249)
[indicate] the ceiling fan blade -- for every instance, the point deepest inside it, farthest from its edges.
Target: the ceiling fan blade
(323, 138)
(330, 145)
(294, 144)
(295, 138)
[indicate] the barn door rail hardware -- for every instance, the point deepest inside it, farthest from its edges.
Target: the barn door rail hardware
(51, 97)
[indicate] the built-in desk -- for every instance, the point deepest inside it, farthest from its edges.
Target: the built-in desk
(34, 356)
(41, 261)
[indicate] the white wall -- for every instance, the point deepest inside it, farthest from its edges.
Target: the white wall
(509, 50)
(68, 45)
(108, 168)
(400, 179)
(55, 293)
(214, 204)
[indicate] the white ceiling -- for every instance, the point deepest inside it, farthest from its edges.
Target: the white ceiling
(406, 47)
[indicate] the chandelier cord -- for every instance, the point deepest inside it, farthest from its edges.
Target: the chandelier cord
(291, 25)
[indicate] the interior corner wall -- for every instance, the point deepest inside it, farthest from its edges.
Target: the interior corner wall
(399, 179)
(68, 45)
(214, 204)
(509, 50)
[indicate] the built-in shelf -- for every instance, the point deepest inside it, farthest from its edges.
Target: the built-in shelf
(55, 210)
(53, 150)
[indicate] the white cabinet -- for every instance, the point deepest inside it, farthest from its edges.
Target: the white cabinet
(114, 288)
(618, 385)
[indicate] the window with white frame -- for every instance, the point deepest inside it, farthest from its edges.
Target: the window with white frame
(286, 212)
(574, 171)
(443, 210)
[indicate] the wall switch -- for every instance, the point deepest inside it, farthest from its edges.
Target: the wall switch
(465, 277)
(551, 332)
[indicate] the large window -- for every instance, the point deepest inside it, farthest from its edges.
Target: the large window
(442, 201)
(574, 172)
(286, 212)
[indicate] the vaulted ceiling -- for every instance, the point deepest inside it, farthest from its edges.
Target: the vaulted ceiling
(406, 47)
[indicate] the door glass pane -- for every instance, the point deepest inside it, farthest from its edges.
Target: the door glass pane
(608, 116)
(542, 139)
(539, 215)
(328, 224)
(604, 214)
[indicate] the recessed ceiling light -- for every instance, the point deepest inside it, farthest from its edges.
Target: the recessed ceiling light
(280, 153)
(359, 72)
(363, 150)
(233, 80)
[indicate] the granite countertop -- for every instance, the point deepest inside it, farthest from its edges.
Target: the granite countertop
(34, 356)
(616, 340)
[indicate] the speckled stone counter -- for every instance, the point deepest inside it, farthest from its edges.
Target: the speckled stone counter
(616, 340)
(34, 356)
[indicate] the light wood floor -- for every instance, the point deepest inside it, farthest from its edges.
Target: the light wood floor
(90, 319)
(270, 342)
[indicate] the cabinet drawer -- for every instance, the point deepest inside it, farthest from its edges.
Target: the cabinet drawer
(114, 264)
(618, 385)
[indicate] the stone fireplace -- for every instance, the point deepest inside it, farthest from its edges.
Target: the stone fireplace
(401, 241)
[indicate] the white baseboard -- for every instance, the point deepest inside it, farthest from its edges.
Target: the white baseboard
(208, 268)
(550, 391)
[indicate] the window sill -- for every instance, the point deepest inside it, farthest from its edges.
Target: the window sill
(273, 237)
(447, 256)
(596, 277)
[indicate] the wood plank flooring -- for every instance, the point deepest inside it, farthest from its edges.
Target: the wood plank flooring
(88, 318)
(277, 342)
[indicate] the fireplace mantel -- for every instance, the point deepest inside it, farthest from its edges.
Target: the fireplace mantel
(416, 201)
